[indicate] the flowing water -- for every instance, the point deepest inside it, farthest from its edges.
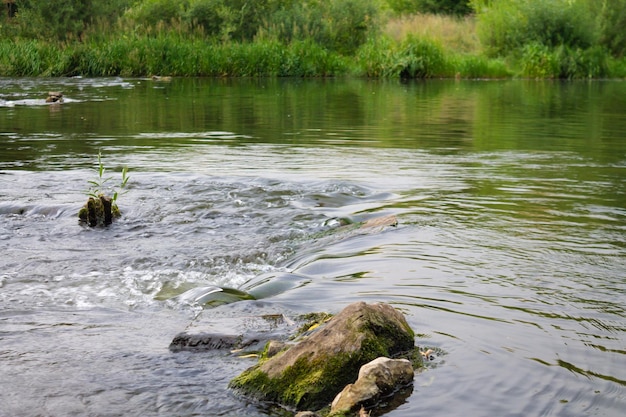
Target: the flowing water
(509, 258)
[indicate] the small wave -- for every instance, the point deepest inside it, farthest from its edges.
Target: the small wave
(35, 210)
(34, 102)
(192, 135)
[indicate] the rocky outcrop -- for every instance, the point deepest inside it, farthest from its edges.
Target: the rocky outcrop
(308, 375)
(54, 97)
(378, 378)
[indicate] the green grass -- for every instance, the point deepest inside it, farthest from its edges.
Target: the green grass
(180, 53)
(417, 57)
(540, 61)
(168, 54)
(312, 38)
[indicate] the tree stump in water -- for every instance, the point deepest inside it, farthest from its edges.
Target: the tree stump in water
(99, 211)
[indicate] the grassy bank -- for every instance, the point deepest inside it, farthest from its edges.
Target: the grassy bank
(318, 39)
(408, 47)
(170, 54)
(167, 54)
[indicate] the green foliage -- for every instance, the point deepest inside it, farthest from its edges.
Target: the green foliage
(377, 58)
(403, 6)
(538, 61)
(28, 58)
(612, 21)
(508, 25)
(340, 25)
(541, 61)
(479, 67)
(293, 21)
(453, 7)
(99, 186)
(153, 12)
(413, 58)
(60, 19)
(309, 59)
(421, 58)
(210, 15)
(554, 38)
(220, 19)
(348, 23)
(551, 38)
(169, 53)
(617, 67)
(101, 208)
(227, 19)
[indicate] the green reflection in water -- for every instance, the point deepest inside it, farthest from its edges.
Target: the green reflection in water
(442, 116)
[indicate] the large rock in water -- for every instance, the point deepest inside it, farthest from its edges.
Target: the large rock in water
(309, 374)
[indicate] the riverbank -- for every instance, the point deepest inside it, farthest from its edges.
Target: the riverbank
(170, 54)
(410, 47)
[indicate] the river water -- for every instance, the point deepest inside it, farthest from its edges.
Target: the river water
(509, 258)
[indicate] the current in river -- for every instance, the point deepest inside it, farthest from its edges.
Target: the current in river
(508, 260)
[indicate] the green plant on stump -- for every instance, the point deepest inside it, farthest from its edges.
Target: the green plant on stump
(101, 209)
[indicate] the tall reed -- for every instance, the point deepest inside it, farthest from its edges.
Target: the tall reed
(169, 54)
(540, 61)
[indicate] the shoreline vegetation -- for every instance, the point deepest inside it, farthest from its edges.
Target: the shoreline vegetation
(410, 39)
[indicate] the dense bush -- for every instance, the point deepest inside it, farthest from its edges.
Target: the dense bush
(453, 7)
(377, 58)
(60, 19)
(548, 39)
(211, 16)
(413, 58)
(420, 58)
(508, 25)
(348, 23)
(153, 12)
(612, 21)
(340, 25)
(540, 61)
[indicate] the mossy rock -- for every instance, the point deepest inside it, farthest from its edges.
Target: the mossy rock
(309, 375)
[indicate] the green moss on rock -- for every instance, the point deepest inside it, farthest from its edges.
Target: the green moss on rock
(306, 385)
(99, 211)
(312, 372)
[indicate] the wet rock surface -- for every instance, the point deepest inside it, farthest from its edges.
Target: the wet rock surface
(54, 97)
(250, 326)
(378, 378)
(308, 375)
(247, 325)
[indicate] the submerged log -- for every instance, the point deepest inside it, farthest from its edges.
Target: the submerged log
(311, 373)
